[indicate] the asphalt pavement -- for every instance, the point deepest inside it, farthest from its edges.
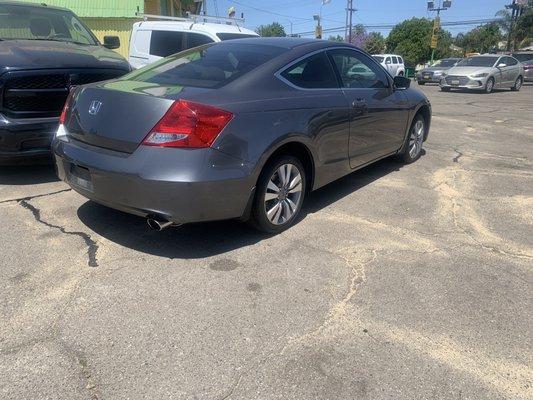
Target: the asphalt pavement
(399, 282)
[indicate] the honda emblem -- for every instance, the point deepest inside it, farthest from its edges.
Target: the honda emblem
(95, 107)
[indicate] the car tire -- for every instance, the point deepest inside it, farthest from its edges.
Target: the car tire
(278, 200)
(517, 84)
(445, 89)
(489, 86)
(421, 83)
(412, 147)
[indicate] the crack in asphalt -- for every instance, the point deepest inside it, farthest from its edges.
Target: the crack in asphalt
(34, 197)
(458, 156)
(92, 246)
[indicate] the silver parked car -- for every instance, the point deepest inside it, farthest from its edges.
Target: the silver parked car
(486, 73)
(433, 74)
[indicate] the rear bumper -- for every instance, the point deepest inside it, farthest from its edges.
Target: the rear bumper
(25, 139)
(181, 185)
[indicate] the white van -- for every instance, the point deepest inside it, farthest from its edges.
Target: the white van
(153, 40)
(392, 63)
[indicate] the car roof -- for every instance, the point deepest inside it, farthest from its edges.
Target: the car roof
(207, 27)
(36, 5)
(387, 55)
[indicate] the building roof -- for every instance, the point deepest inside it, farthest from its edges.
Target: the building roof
(96, 8)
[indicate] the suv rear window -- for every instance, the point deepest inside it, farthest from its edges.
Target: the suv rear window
(209, 66)
(165, 43)
(231, 36)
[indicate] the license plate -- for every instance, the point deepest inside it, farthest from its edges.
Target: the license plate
(80, 177)
(455, 82)
(426, 77)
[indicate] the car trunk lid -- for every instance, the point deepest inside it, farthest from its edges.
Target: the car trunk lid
(118, 115)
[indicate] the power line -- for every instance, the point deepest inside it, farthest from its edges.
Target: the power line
(390, 26)
(266, 11)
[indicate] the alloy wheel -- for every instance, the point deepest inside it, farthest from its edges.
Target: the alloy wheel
(518, 83)
(283, 194)
(416, 138)
(490, 85)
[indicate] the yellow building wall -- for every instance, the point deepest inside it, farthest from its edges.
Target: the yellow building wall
(120, 27)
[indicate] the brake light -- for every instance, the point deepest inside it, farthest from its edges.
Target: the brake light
(63, 116)
(188, 124)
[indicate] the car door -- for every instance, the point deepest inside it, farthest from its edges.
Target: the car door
(514, 70)
(501, 76)
(378, 117)
(321, 103)
(388, 65)
(395, 66)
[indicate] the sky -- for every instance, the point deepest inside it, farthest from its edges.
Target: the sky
(369, 12)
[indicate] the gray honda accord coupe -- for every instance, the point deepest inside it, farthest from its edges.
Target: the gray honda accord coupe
(239, 129)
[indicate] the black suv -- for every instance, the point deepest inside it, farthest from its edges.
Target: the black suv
(44, 51)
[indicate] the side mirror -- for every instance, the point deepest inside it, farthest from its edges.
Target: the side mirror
(501, 65)
(401, 82)
(111, 42)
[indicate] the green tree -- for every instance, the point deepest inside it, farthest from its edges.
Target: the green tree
(375, 43)
(481, 39)
(337, 38)
(274, 29)
(411, 39)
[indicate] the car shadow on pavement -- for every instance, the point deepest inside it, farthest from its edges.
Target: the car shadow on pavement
(202, 240)
(27, 174)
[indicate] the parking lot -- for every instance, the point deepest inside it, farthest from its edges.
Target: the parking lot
(399, 282)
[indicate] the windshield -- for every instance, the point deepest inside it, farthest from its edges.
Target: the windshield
(478, 62)
(230, 36)
(40, 23)
(445, 63)
(523, 56)
(208, 66)
(379, 59)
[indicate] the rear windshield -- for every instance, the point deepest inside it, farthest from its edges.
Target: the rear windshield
(478, 62)
(379, 59)
(208, 66)
(523, 56)
(230, 36)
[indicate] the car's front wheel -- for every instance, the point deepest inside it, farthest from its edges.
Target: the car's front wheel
(445, 89)
(412, 148)
(517, 84)
(421, 82)
(489, 87)
(279, 195)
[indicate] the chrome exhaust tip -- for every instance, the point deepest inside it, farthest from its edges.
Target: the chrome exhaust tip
(158, 224)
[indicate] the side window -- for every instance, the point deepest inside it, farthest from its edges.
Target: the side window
(314, 72)
(387, 60)
(165, 43)
(511, 61)
(357, 70)
(394, 60)
(197, 39)
(400, 60)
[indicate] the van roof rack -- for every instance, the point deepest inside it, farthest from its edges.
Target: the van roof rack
(194, 18)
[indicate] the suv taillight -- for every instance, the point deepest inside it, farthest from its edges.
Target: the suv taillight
(188, 124)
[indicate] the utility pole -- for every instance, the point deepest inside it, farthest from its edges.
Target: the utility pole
(436, 23)
(517, 9)
(349, 12)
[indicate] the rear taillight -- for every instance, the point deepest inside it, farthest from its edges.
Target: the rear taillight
(188, 124)
(63, 116)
